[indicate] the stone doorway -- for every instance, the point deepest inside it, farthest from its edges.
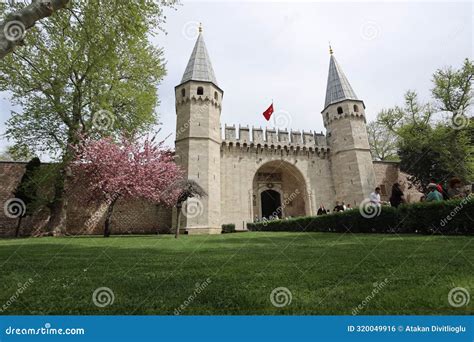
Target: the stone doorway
(271, 204)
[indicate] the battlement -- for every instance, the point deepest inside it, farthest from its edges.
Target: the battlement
(273, 138)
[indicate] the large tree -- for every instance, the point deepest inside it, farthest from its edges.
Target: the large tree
(88, 70)
(453, 89)
(383, 142)
(430, 147)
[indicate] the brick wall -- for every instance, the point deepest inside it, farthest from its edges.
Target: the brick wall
(139, 217)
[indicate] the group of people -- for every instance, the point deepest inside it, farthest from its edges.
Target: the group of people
(454, 190)
(340, 206)
(436, 192)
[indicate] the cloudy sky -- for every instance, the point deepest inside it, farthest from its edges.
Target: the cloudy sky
(262, 51)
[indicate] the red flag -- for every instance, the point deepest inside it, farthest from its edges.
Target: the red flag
(268, 113)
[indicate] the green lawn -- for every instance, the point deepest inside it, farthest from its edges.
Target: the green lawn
(326, 274)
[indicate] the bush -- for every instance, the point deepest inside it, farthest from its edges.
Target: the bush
(449, 217)
(228, 228)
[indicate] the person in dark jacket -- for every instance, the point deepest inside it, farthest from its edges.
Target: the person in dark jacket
(338, 207)
(397, 196)
(322, 210)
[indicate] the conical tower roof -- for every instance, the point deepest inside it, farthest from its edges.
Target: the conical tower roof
(338, 88)
(199, 67)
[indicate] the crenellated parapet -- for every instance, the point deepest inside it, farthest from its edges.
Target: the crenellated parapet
(198, 99)
(273, 139)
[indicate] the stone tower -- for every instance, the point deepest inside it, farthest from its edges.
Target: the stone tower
(198, 140)
(344, 119)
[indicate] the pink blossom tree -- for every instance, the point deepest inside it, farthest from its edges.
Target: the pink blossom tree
(130, 169)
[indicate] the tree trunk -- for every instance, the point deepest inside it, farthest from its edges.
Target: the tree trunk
(178, 212)
(17, 230)
(58, 208)
(110, 211)
(13, 28)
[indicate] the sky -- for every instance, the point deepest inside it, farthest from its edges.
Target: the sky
(264, 51)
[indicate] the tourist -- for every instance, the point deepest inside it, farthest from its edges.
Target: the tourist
(440, 189)
(344, 206)
(322, 210)
(438, 186)
(338, 207)
(455, 189)
(397, 196)
(434, 195)
(349, 206)
(375, 197)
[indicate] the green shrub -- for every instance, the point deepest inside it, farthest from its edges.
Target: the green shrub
(449, 217)
(228, 228)
(446, 217)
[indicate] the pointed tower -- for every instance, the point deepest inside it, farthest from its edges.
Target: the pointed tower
(344, 119)
(198, 139)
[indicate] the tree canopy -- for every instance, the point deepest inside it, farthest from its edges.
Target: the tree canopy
(89, 70)
(429, 146)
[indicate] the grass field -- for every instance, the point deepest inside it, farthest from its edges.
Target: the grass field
(236, 273)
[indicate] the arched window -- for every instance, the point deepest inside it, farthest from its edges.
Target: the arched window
(183, 92)
(216, 96)
(356, 108)
(327, 116)
(339, 110)
(200, 91)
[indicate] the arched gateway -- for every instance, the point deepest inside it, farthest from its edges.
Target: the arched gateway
(279, 190)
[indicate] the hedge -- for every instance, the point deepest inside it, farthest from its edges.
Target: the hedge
(228, 228)
(447, 217)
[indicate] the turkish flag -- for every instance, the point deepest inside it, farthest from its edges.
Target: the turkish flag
(268, 113)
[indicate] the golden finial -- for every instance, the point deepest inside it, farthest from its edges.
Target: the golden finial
(330, 49)
(200, 27)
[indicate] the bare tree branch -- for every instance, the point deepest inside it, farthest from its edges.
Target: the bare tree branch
(15, 25)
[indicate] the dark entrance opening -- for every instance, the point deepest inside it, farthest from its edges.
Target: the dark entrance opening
(271, 204)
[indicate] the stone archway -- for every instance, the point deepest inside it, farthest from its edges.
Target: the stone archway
(279, 189)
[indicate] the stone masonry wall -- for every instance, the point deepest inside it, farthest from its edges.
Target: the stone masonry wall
(138, 217)
(387, 173)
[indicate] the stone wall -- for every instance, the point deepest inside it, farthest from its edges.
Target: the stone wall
(138, 217)
(387, 173)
